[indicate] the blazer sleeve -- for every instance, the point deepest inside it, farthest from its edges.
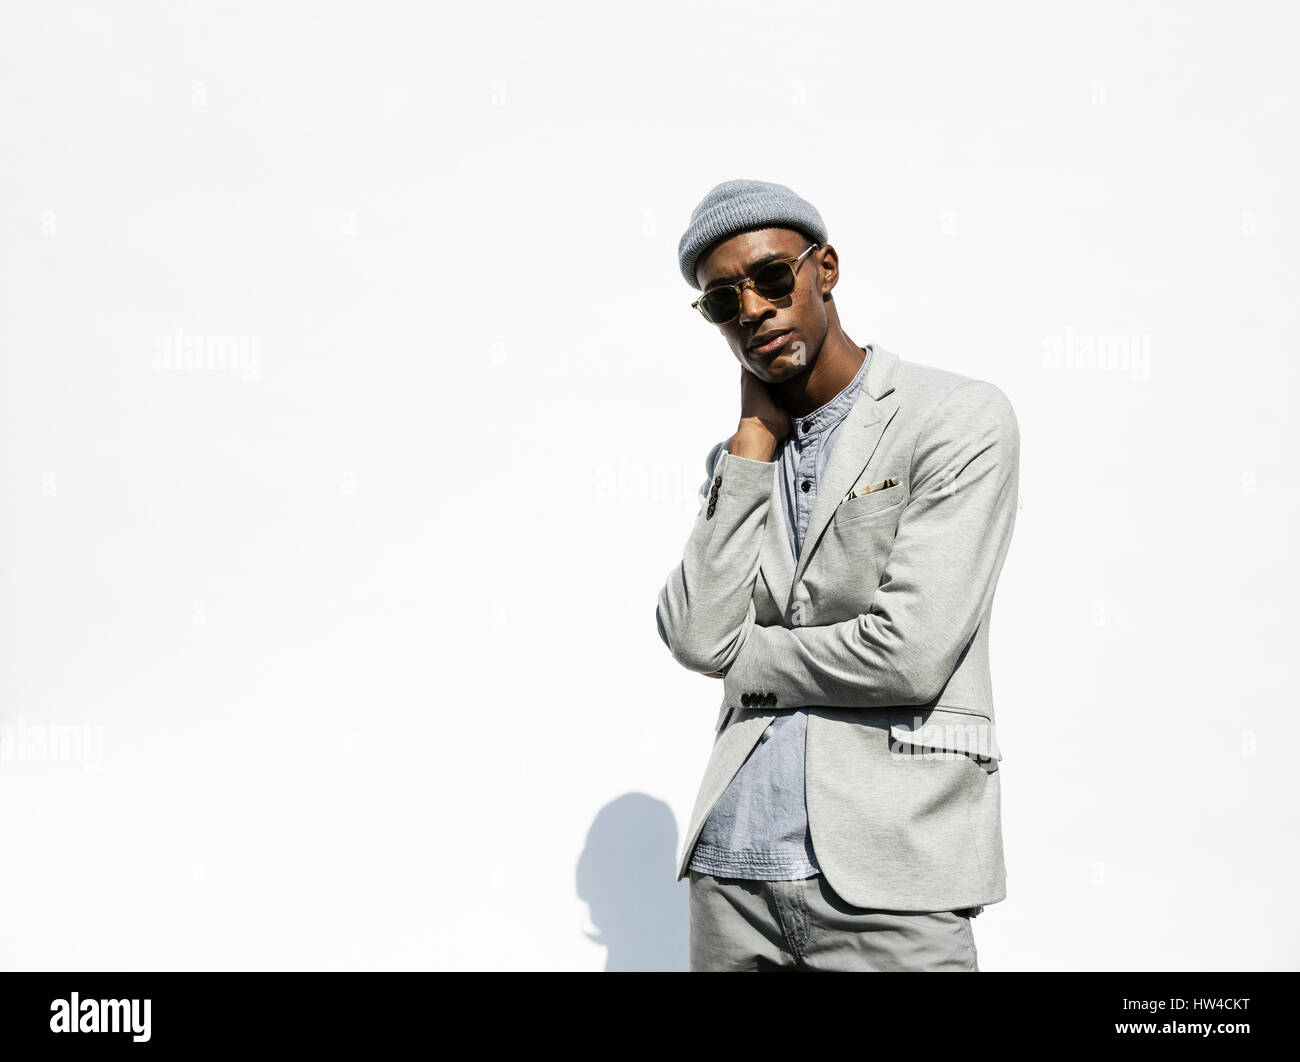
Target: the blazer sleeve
(952, 539)
(706, 605)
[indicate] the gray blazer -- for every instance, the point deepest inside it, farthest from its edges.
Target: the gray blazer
(881, 630)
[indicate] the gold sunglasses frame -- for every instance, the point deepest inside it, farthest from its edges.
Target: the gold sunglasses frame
(739, 287)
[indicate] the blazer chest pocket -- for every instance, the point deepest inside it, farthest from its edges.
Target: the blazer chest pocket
(880, 500)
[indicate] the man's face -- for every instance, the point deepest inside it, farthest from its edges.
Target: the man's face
(801, 316)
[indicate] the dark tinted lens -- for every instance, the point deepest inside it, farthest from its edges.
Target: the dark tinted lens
(719, 305)
(775, 281)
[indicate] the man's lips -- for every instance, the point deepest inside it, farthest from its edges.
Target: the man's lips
(768, 342)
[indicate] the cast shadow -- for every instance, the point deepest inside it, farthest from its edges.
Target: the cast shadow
(626, 877)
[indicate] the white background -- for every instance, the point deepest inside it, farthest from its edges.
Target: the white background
(361, 632)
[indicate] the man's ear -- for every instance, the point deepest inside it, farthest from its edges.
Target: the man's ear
(828, 272)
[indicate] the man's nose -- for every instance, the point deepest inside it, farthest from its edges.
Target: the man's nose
(752, 305)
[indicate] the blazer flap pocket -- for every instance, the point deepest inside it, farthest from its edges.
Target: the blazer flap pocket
(877, 500)
(723, 712)
(947, 729)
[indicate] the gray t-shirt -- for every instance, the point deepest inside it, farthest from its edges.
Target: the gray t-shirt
(759, 826)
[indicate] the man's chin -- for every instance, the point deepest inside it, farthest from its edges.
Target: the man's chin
(782, 368)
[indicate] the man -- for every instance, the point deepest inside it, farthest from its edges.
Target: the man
(839, 579)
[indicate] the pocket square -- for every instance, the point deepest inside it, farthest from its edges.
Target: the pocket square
(882, 485)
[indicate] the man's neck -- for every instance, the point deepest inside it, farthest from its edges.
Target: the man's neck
(837, 363)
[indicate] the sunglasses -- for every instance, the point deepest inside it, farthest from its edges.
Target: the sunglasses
(774, 280)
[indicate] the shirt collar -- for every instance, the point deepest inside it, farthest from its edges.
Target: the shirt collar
(824, 416)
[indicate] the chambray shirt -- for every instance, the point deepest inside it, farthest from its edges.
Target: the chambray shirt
(759, 826)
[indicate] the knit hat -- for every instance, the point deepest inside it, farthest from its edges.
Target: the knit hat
(739, 206)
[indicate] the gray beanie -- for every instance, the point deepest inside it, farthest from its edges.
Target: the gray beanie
(739, 206)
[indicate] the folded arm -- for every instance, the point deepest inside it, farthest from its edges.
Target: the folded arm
(707, 602)
(942, 571)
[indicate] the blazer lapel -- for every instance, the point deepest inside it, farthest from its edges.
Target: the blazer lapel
(855, 445)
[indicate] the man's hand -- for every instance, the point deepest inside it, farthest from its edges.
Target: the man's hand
(763, 421)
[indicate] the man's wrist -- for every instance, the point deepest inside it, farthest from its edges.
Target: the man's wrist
(753, 442)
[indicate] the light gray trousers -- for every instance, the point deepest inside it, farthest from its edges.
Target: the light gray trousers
(738, 924)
